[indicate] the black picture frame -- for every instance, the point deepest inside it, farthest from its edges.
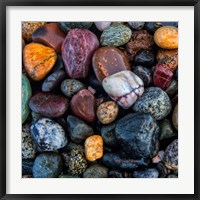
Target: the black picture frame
(5, 3)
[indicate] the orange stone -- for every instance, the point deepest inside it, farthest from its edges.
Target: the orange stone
(167, 37)
(93, 147)
(38, 60)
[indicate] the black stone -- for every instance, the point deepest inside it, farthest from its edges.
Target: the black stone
(96, 171)
(145, 58)
(27, 165)
(149, 173)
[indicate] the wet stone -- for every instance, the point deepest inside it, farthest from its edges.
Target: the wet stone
(96, 171)
(149, 173)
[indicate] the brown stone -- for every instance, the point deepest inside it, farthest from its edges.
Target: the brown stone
(175, 117)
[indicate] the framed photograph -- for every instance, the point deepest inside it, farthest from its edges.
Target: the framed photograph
(105, 103)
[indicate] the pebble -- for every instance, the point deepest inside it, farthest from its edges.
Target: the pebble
(124, 87)
(149, 173)
(77, 50)
(26, 94)
(47, 165)
(27, 166)
(36, 116)
(172, 176)
(166, 37)
(78, 129)
(59, 65)
(162, 170)
(166, 129)
(29, 147)
(101, 26)
(107, 112)
(48, 134)
(49, 35)
(70, 87)
(83, 105)
(49, 105)
(68, 176)
(38, 60)
(145, 58)
(93, 147)
(107, 61)
(96, 171)
(136, 25)
(116, 35)
(172, 88)
(159, 157)
(155, 102)
(23, 44)
(115, 174)
(138, 135)
(175, 117)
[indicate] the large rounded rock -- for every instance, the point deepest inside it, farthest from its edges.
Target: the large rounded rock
(96, 171)
(155, 102)
(138, 135)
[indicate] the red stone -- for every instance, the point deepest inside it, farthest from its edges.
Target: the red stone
(50, 35)
(83, 105)
(77, 50)
(162, 76)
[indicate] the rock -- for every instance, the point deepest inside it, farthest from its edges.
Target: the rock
(77, 50)
(101, 26)
(115, 174)
(36, 116)
(27, 176)
(166, 37)
(70, 87)
(138, 135)
(107, 61)
(149, 173)
(29, 147)
(59, 65)
(52, 81)
(162, 170)
(136, 25)
(171, 155)
(124, 87)
(96, 171)
(49, 105)
(48, 134)
(114, 161)
(68, 176)
(172, 88)
(159, 157)
(116, 35)
(27, 166)
(107, 112)
(172, 176)
(168, 58)
(49, 35)
(144, 73)
(145, 58)
(26, 94)
(83, 105)
(155, 102)
(23, 44)
(175, 117)
(162, 76)
(166, 129)
(38, 60)
(78, 129)
(93, 147)
(67, 26)
(47, 165)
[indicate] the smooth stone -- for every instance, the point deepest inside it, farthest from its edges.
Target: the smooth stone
(168, 58)
(70, 87)
(67, 26)
(116, 35)
(101, 26)
(171, 156)
(59, 65)
(36, 116)
(116, 162)
(162, 170)
(166, 37)
(27, 166)
(115, 174)
(149, 173)
(96, 171)
(144, 73)
(166, 129)
(107, 112)
(78, 129)
(77, 50)
(159, 157)
(138, 135)
(124, 87)
(48, 134)
(29, 147)
(108, 135)
(93, 147)
(107, 61)
(26, 95)
(47, 165)
(49, 35)
(136, 25)
(49, 105)
(145, 58)
(175, 117)
(172, 88)
(38, 60)
(155, 102)
(53, 80)
(83, 105)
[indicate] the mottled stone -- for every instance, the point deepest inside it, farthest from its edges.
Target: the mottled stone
(175, 117)
(27, 166)
(148, 173)
(172, 88)
(124, 87)
(77, 50)
(145, 58)
(107, 61)
(101, 26)
(138, 135)
(48, 134)
(155, 102)
(96, 171)
(166, 129)
(116, 35)
(136, 25)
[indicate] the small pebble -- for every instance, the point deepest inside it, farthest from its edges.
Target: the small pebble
(136, 25)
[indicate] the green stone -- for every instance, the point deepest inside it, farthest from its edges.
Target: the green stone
(26, 94)
(166, 129)
(116, 35)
